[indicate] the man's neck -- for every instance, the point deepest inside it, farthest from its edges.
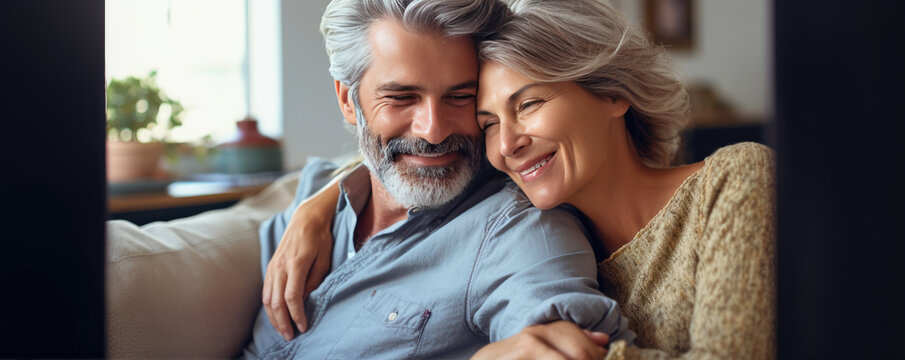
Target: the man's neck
(380, 212)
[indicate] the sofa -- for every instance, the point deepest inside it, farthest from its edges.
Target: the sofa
(189, 288)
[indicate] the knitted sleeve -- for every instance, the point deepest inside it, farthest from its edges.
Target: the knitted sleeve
(735, 295)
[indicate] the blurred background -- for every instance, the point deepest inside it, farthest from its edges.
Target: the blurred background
(228, 60)
(213, 63)
(215, 83)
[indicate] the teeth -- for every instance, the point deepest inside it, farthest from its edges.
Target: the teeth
(431, 155)
(536, 166)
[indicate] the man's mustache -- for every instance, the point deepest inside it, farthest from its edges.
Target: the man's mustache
(418, 146)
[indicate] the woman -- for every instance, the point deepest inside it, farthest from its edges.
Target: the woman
(579, 108)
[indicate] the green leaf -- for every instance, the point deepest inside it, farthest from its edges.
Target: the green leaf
(123, 96)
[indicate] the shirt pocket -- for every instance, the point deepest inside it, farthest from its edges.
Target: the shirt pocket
(387, 327)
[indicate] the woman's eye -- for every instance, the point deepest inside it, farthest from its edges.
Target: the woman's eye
(528, 104)
(488, 124)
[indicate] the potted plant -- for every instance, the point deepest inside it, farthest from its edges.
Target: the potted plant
(139, 117)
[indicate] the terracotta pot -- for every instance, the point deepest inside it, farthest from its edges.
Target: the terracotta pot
(251, 152)
(132, 161)
(249, 136)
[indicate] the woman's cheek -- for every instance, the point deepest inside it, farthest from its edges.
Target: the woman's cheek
(492, 146)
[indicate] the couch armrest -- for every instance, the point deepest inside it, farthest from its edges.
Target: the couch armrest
(191, 287)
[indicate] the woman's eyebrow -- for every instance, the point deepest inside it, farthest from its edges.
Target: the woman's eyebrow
(512, 98)
(515, 95)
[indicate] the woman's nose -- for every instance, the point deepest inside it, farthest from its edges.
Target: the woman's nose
(512, 139)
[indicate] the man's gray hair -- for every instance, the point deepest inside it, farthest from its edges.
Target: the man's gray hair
(345, 27)
(590, 43)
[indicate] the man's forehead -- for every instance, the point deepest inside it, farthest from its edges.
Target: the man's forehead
(405, 60)
(387, 32)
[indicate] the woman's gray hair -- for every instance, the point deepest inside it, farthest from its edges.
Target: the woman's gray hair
(592, 44)
(345, 27)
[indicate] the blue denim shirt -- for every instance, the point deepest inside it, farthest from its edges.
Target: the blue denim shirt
(442, 283)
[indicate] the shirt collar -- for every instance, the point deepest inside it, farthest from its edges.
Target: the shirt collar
(355, 188)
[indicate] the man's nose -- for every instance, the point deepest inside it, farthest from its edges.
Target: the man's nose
(430, 123)
(512, 139)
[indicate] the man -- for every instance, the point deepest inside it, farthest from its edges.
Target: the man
(434, 254)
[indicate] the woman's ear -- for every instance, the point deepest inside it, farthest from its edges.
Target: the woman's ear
(620, 107)
(345, 103)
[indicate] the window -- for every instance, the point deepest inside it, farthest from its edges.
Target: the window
(199, 50)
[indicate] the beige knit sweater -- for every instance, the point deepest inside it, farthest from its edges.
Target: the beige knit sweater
(698, 281)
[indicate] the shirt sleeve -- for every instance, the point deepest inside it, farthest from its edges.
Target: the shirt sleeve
(535, 267)
(316, 173)
(735, 296)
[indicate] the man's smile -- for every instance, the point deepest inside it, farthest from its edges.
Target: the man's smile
(431, 159)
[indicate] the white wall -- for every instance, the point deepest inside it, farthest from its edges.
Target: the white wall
(732, 50)
(312, 123)
(265, 100)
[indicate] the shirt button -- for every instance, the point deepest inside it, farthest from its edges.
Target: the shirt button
(392, 316)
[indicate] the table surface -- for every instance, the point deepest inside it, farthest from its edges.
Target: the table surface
(181, 194)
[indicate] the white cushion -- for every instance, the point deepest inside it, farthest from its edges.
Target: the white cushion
(188, 288)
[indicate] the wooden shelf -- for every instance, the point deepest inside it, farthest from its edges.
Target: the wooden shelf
(181, 194)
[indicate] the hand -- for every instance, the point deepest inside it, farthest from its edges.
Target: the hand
(556, 340)
(300, 262)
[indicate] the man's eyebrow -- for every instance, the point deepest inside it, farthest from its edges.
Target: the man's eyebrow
(395, 86)
(465, 85)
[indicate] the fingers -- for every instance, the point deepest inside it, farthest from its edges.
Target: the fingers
(267, 294)
(557, 340)
(295, 301)
(521, 346)
(265, 297)
(597, 337)
(299, 264)
(276, 308)
(570, 340)
(318, 272)
(533, 347)
(283, 297)
(545, 353)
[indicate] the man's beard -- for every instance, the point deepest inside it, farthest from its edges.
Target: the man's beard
(420, 186)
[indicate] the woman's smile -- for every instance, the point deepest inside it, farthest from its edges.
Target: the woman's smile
(534, 169)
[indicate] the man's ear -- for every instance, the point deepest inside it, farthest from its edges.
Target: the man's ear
(620, 107)
(345, 103)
